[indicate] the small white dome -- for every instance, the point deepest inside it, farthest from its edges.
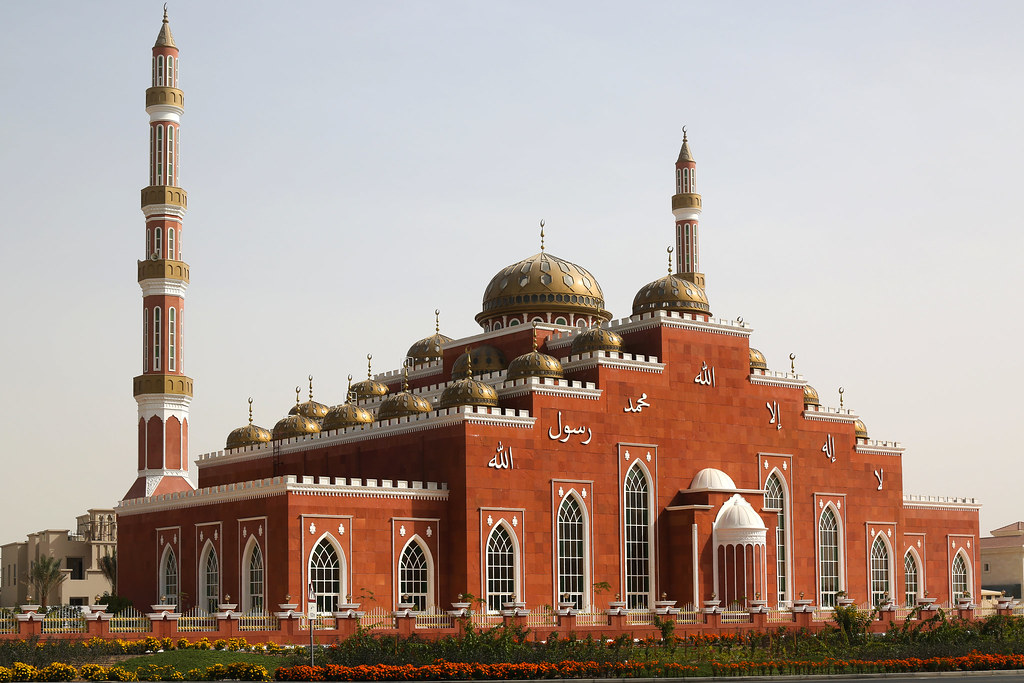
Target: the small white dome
(737, 513)
(710, 478)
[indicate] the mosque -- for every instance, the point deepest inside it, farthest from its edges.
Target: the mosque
(559, 456)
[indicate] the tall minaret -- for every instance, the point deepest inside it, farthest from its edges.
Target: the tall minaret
(686, 209)
(162, 391)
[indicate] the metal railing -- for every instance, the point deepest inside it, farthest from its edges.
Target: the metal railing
(542, 617)
(195, 620)
(639, 618)
(591, 619)
(689, 614)
(377, 618)
(320, 622)
(129, 620)
(485, 619)
(735, 616)
(779, 615)
(8, 622)
(64, 619)
(258, 621)
(434, 618)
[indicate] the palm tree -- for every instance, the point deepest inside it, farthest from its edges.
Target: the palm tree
(44, 576)
(108, 565)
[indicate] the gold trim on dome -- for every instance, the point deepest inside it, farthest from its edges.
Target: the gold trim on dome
(178, 385)
(369, 387)
(429, 348)
(310, 408)
(596, 338)
(811, 397)
(860, 430)
(163, 269)
(248, 435)
(671, 293)
(161, 94)
(534, 364)
(757, 360)
(164, 194)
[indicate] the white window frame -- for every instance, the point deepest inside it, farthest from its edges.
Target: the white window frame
(637, 599)
(584, 554)
(428, 601)
(500, 597)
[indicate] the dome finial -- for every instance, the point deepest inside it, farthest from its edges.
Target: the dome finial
(437, 320)
(405, 378)
(542, 234)
(369, 371)
(684, 133)
(841, 390)
(469, 363)
(250, 410)
(348, 393)
(311, 387)
(792, 363)
(534, 335)
(298, 392)
(670, 250)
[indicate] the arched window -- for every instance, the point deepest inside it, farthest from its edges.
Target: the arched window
(679, 181)
(561, 321)
(170, 155)
(145, 339)
(501, 568)
(572, 545)
(911, 579)
(154, 71)
(159, 155)
(513, 322)
(156, 338)
(693, 180)
(960, 583)
(152, 170)
(209, 589)
(158, 242)
(638, 539)
(828, 557)
(171, 338)
(170, 71)
(159, 69)
(879, 571)
(413, 576)
(169, 578)
(170, 243)
(253, 579)
(775, 499)
(325, 575)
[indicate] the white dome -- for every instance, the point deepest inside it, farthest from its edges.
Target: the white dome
(737, 523)
(710, 478)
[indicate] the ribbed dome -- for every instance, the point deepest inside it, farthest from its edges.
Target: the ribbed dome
(757, 360)
(429, 348)
(534, 364)
(860, 430)
(482, 359)
(311, 409)
(738, 514)
(671, 293)
(710, 478)
(543, 283)
(468, 392)
(811, 396)
(295, 425)
(249, 435)
(596, 339)
(401, 404)
(369, 388)
(346, 415)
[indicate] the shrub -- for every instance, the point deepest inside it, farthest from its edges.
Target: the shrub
(57, 672)
(23, 672)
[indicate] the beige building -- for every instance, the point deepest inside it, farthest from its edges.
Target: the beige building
(1002, 559)
(79, 553)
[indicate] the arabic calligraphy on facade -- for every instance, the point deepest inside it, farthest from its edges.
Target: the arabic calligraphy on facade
(502, 458)
(641, 403)
(568, 432)
(706, 376)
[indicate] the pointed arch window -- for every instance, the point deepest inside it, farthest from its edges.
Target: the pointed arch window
(254, 580)
(170, 155)
(156, 338)
(911, 579)
(170, 71)
(828, 557)
(170, 243)
(152, 169)
(413, 576)
(775, 499)
(879, 571)
(172, 333)
(693, 180)
(325, 575)
(159, 69)
(501, 568)
(960, 582)
(145, 339)
(638, 539)
(679, 181)
(210, 576)
(572, 545)
(169, 578)
(159, 155)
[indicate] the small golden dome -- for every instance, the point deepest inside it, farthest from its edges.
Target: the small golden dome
(596, 339)
(429, 348)
(757, 360)
(534, 364)
(671, 293)
(249, 435)
(347, 414)
(310, 408)
(481, 360)
(403, 403)
(468, 391)
(295, 424)
(860, 430)
(811, 396)
(543, 283)
(369, 388)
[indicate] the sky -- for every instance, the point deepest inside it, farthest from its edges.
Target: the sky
(352, 166)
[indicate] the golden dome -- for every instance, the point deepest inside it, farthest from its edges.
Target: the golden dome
(860, 430)
(347, 414)
(596, 339)
(369, 388)
(249, 435)
(310, 408)
(671, 293)
(481, 360)
(757, 360)
(468, 391)
(429, 348)
(295, 424)
(543, 283)
(811, 396)
(534, 364)
(403, 403)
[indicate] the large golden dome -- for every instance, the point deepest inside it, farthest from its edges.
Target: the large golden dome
(671, 293)
(369, 388)
(811, 396)
(596, 339)
(757, 360)
(401, 404)
(543, 283)
(429, 348)
(479, 361)
(249, 435)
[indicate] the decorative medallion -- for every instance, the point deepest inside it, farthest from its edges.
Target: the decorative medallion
(260, 530)
(200, 535)
(648, 456)
(820, 504)
(515, 521)
(161, 539)
(626, 455)
(766, 464)
(341, 529)
(968, 544)
(216, 535)
(785, 466)
(430, 532)
(490, 520)
(245, 532)
(584, 493)
(561, 492)
(401, 531)
(312, 528)
(919, 543)
(889, 531)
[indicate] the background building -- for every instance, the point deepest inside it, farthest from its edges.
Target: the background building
(1002, 559)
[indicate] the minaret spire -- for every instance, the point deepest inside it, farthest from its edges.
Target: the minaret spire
(686, 207)
(163, 391)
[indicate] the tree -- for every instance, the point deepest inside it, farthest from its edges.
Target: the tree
(44, 576)
(108, 565)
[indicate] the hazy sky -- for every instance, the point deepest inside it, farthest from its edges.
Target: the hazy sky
(353, 166)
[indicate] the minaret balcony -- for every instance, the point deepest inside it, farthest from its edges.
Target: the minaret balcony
(162, 95)
(686, 201)
(163, 269)
(156, 383)
(164, 194)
